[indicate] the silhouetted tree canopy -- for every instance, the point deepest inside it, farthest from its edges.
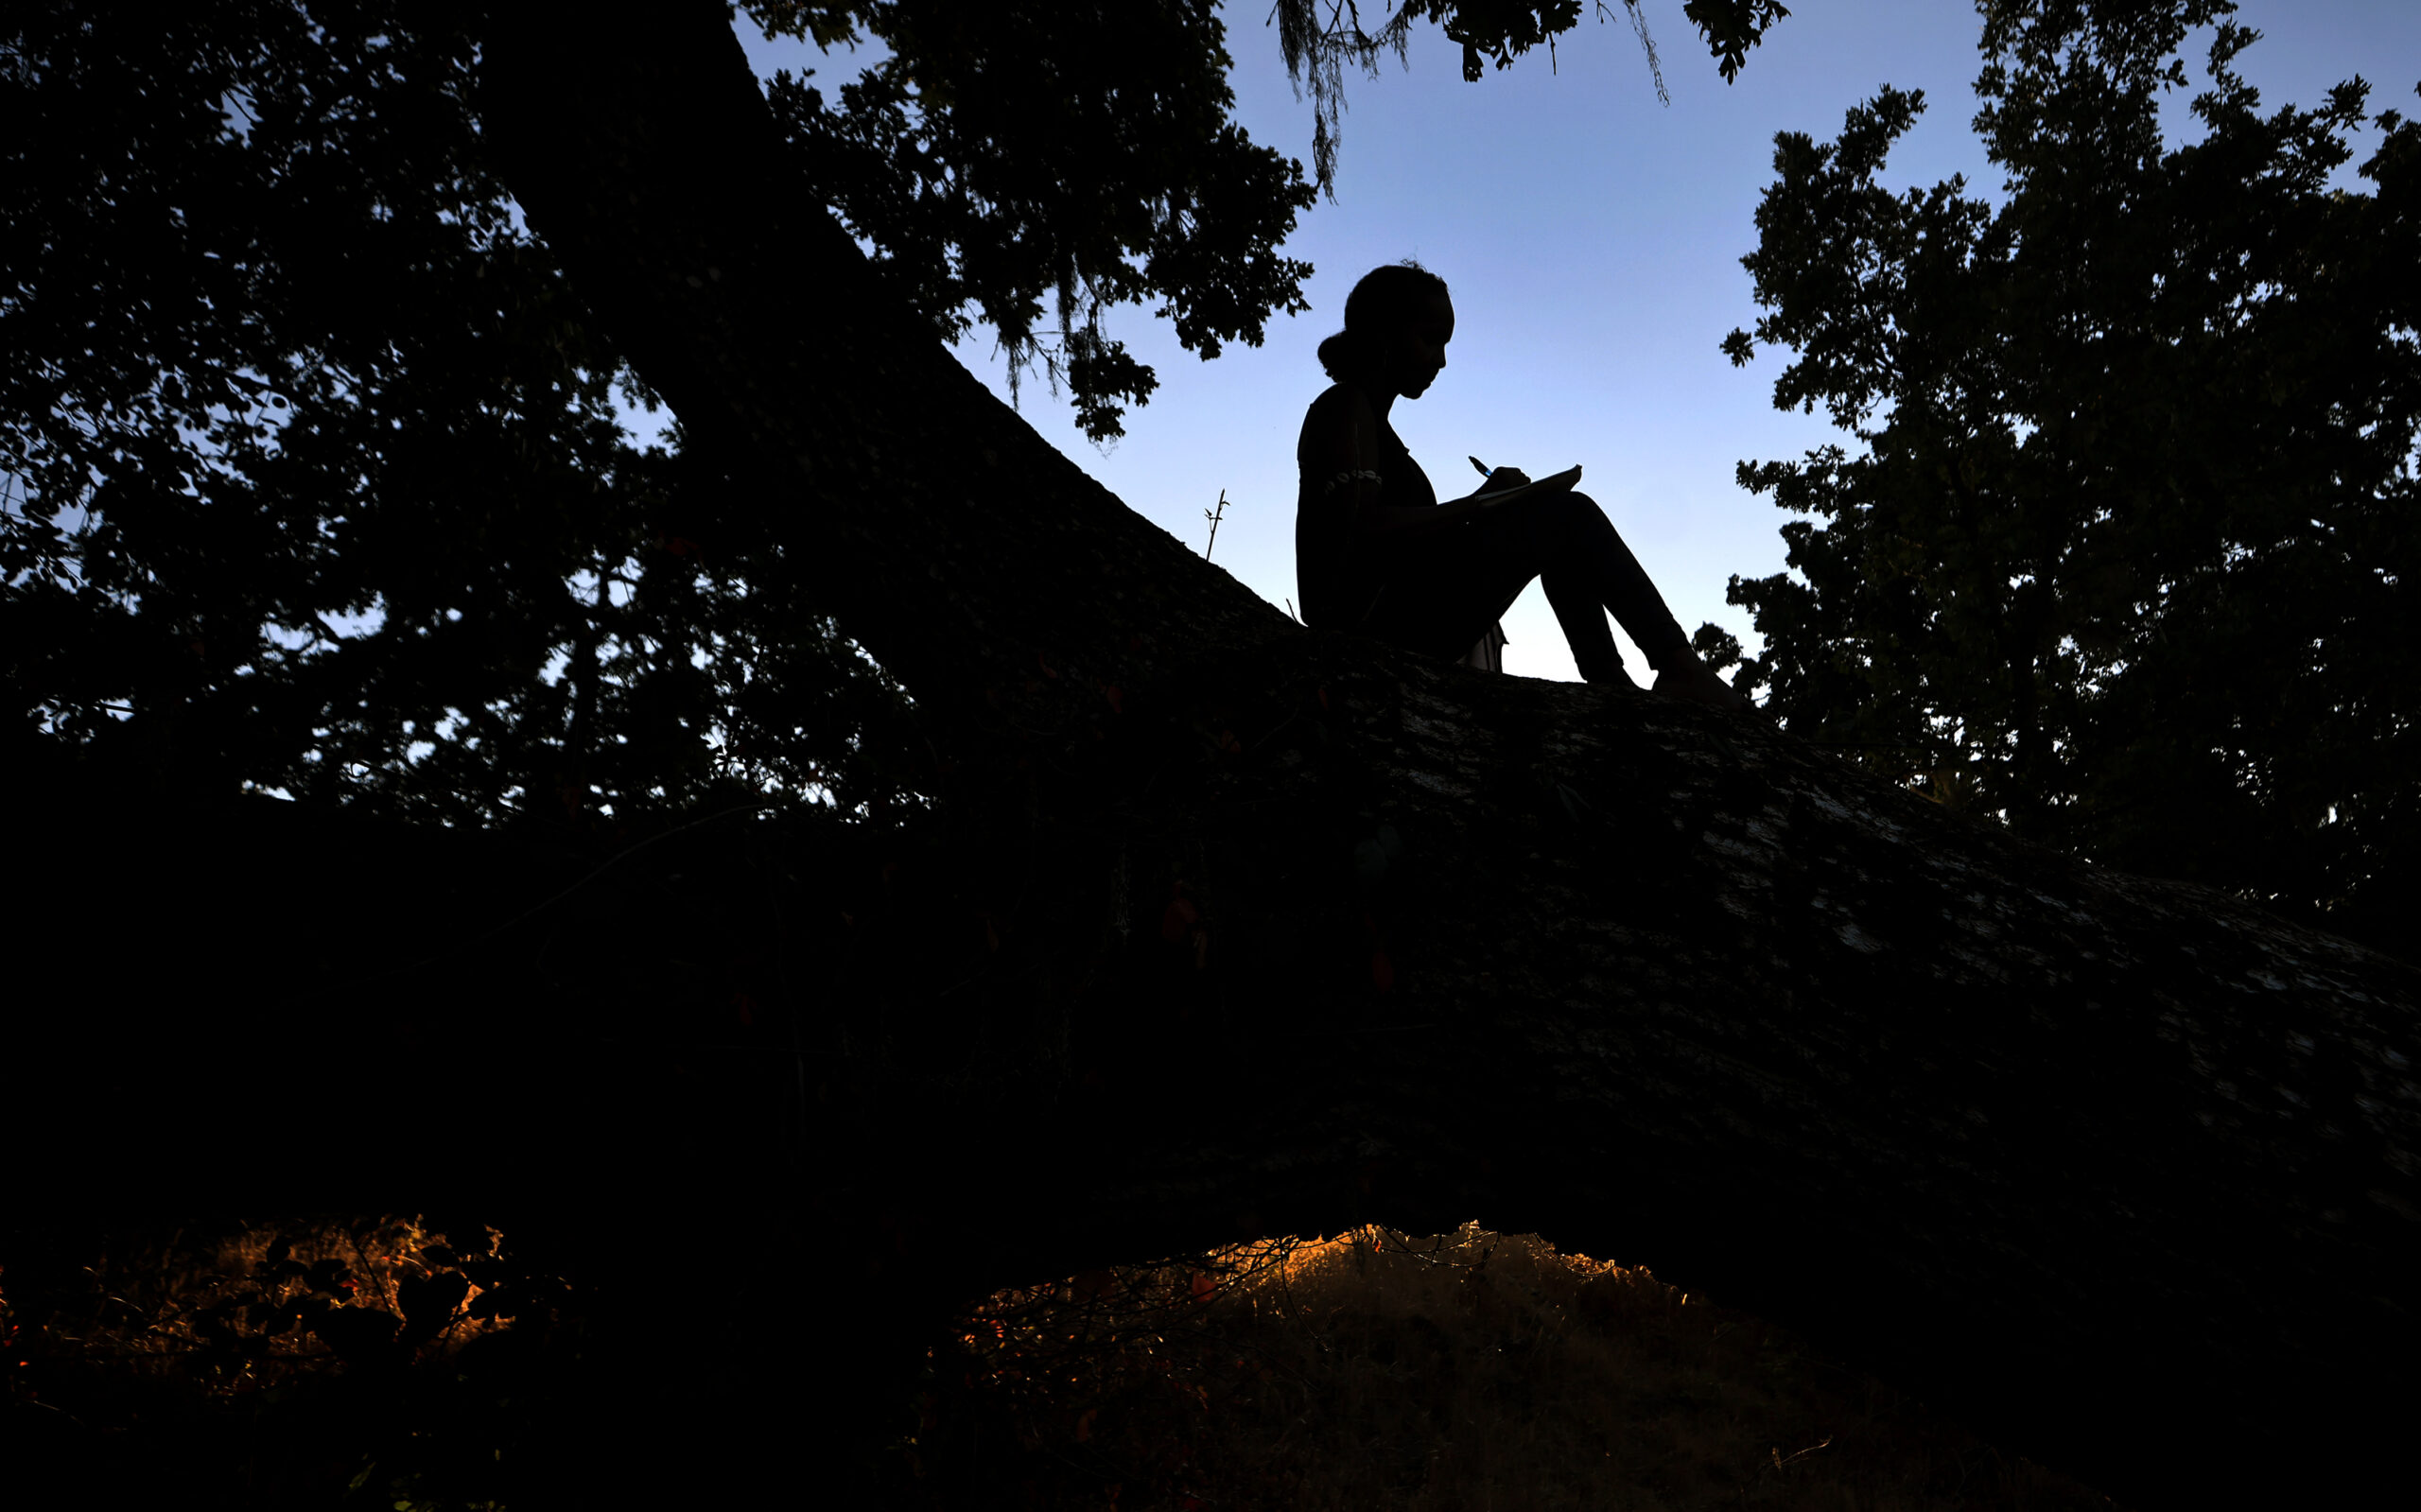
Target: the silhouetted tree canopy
(316, 480)
(2122, 547)
(1006, 161)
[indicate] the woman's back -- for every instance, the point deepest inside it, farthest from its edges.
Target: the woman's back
(1337, 574)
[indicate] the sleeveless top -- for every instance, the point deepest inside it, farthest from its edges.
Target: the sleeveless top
(1338, 572)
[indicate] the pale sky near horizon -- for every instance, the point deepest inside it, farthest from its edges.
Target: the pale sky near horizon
(1592, 237)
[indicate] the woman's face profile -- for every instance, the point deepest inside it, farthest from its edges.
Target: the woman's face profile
(1421, 352)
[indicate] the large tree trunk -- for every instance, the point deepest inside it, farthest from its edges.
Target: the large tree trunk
(2123, 1170)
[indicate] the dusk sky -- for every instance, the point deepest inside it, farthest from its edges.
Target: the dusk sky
(1593, 239)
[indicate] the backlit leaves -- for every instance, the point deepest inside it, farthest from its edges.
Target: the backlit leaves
(2120, 549)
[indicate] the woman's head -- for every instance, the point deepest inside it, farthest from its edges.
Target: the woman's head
(1398, 321)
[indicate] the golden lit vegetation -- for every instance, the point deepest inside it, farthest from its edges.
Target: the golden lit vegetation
(1470, 1370)
(366, 1362)
(241, 1311)
(372, 1364)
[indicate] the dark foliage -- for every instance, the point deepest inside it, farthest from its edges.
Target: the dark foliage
(316, 482)
(1318, 37)
(1002, 158)
(2122, 546)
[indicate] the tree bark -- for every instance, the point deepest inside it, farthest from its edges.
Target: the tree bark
(1246, 927)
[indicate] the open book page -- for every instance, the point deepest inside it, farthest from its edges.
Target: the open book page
(1560, 482)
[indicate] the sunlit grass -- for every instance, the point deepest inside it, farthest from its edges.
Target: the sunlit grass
(1468, 1370)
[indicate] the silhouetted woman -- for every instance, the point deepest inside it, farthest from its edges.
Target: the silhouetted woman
(1376, 553)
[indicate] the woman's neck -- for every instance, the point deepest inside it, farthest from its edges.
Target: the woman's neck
(1381, 395)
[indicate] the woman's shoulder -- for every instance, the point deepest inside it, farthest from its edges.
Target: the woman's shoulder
(1346, 398)
(1340, 407)
(1336, 428)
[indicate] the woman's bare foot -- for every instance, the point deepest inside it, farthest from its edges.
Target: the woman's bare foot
(1695, 681)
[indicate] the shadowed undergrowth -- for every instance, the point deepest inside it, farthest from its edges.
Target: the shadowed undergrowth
(377, 1364)
(372, 1363)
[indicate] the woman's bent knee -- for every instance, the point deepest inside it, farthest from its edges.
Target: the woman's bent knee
(1570, 516)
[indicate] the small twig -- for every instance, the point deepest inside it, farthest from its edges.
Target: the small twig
(1215, 516)
(1780, 1461)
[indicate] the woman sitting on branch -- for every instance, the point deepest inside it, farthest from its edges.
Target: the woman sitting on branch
(1377, 554)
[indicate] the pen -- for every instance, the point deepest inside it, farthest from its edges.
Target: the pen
(1484, 468)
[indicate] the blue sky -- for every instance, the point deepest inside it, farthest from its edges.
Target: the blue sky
(1592, 239)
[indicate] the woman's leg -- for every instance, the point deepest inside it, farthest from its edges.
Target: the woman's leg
(1588, 570)
(1445, 589)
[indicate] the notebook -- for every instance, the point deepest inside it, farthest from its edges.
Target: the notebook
(1560, 482)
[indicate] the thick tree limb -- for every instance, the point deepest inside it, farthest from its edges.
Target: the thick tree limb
(643, 150)
(2123, 1169)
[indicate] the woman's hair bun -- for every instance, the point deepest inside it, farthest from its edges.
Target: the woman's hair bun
(1337, 354)
(1382, 303)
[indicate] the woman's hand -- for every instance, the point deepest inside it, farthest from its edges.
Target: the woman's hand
(1501, 479)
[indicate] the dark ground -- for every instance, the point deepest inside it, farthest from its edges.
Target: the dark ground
(263, 1013)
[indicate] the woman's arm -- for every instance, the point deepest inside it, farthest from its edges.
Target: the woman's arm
(1342, 449)
(1396, 520)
